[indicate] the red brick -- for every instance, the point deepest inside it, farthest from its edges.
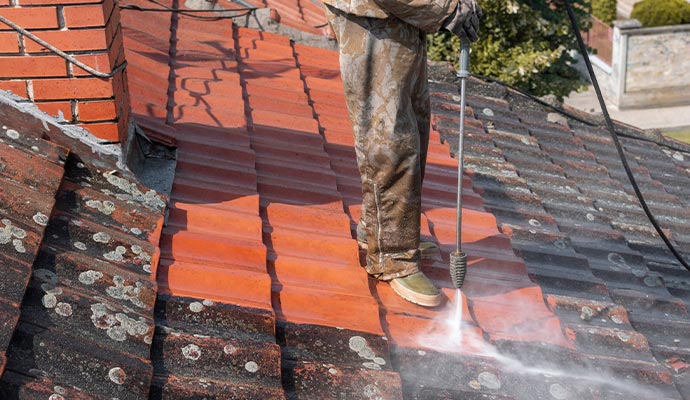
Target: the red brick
(109, 8)
(99, 62)
(83, 16)
(116, 51)
(32, 66)
(103, 110)
(108, 131)
(112, 13)
(72, 88)
(118, 85)
(123, 128)
(17, 87)
(122, 104)
(31, 18)
(69, 40)
(54, 107)
(121, 57)
(9, 42)
(121, 91)
(125, 111)
(112, 32)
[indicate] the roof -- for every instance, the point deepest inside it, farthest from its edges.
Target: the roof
(304, 15)
(259, 292)
(79, 244)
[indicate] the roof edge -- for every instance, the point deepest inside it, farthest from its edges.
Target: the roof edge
(109, 155)
(442, 72)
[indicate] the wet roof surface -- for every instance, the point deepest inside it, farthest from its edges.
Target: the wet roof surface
(260, 293)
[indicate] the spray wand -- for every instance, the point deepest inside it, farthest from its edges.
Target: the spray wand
(458, 258)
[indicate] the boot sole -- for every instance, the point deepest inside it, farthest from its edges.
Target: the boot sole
(424, 300)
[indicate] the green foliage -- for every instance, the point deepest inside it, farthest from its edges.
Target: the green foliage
(522, 42)
(661, 12)
(682, 136)
(605, 10)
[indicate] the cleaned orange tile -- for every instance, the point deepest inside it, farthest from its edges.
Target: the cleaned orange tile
(316, 245)
(312, 306)
(225, 283)
(312, 219)
(260, 101)
(268, 90)
(219, 221)
(276, 119)
(326, 275)
(185, 245)
(530, 320)
(252, 34)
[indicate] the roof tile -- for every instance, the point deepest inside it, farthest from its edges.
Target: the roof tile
(215, 187)
(112, 373)
(89, 316)
(27, 198)
(343, 382)
(267, 190)
(182, 388)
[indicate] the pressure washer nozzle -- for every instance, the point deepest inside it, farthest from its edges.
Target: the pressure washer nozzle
(458, 268)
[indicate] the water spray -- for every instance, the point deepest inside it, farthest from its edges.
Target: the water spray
(458, 258)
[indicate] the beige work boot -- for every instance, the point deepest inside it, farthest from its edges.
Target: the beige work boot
(428, 250)
(418, 289)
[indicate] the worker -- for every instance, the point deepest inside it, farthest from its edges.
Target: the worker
(382, 47)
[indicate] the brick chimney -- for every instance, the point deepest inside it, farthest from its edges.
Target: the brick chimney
(88, 30)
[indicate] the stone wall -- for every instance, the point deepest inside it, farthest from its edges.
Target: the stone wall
(650, 66)
(658, 60)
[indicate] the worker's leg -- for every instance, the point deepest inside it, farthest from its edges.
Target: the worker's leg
(381, 63)
(422, 108)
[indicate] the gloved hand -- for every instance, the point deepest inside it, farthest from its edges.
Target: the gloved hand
(464, 22)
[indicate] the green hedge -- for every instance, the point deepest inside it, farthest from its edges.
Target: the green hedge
(525, 43)
(661, 12)
(605, 10)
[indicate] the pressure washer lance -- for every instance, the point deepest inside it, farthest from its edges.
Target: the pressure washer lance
(458, 258)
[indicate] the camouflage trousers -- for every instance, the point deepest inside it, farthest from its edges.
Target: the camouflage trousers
(383, 67)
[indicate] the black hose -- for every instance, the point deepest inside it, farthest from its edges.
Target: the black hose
(616, 142)
(535, 98)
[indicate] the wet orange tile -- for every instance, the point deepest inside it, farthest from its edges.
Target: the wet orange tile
(316, 245)
(296, 270)
(311, 306)
(225, 221)
(529, 319)
(226, 283)
(186, 245)
(438, 335)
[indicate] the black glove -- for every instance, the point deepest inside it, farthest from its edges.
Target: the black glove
(464, 22)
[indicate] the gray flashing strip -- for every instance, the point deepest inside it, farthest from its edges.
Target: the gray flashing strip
(75, 132)
(637, 31)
